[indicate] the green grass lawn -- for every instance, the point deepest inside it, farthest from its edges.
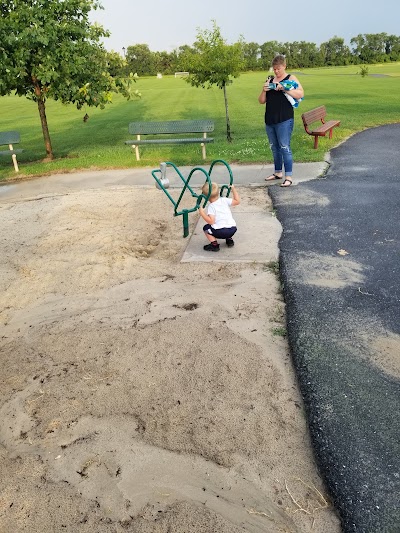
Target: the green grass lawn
(99, 143)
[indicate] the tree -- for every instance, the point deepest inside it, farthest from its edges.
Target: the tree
(392, 47)
(141, 60)
(303, 55)
(268, 51)
(50, 50)
(335, 52)
(182, 56)
(251, 54)
(370, 48)
(213, 62)
(116, 64)
(165, 62)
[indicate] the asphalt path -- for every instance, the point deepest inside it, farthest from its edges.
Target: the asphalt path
(340, 256)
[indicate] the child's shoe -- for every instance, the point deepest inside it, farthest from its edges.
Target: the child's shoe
(212, 247)
(230, 243)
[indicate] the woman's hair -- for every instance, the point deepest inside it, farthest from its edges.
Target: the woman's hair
(214, 189)
(279, 59)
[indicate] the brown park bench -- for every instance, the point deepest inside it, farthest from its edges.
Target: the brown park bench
(315, 115)
(10, 138)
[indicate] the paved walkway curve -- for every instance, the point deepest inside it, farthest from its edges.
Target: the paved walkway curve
(340, 254)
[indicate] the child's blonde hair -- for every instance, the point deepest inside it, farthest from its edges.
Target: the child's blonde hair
(214, 190)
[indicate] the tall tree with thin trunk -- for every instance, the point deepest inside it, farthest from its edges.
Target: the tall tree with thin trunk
(49, 49)
(212, 61)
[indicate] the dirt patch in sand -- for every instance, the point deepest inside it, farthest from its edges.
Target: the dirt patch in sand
(139, 393)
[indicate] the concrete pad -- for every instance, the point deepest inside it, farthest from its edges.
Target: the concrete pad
(256, 240)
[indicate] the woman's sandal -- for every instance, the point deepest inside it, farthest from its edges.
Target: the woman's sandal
(273, 177)
(286, 180)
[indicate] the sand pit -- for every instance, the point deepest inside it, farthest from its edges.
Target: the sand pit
(138, 392)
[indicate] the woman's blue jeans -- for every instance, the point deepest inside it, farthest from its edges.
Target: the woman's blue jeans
(279, 136)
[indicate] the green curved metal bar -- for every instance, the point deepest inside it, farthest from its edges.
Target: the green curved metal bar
(199, 198)
(227, 187)
(193, 194)
(157, 170)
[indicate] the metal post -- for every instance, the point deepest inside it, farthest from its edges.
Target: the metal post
(163, 169)
(185, 223)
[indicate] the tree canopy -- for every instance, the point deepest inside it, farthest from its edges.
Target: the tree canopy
(51, 50)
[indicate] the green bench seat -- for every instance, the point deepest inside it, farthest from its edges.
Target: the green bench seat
(171, 127)
(10, 138)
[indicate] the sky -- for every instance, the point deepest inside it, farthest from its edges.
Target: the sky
(166, 24)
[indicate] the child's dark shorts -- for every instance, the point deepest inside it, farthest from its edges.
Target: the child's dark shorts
(221, 233)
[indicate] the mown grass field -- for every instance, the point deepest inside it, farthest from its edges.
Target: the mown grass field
(359, 102)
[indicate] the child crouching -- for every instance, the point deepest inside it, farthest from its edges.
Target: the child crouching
(220, 223)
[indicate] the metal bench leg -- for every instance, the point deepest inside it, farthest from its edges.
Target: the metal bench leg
(315, 141)
(330, 133)
(203, 145)
(136, 148)
(14, 158)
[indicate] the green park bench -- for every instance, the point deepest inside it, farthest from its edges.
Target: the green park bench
(170, 128)
(10, 138)
(318, 115)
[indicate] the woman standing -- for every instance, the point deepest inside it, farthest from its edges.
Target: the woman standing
(279, 117)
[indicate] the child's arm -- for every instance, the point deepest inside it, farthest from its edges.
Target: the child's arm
(210, 219)
(236, 197)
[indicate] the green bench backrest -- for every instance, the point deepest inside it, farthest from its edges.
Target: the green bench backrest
(172, 126)
(9, 137)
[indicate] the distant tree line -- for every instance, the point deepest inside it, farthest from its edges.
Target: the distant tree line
(366, 48)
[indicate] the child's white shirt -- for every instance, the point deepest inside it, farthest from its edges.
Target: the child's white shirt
(222, 212)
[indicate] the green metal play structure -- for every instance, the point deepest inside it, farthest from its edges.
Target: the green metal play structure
(162, 183)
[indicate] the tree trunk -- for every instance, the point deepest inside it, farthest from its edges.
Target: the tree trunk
(228, 124)
(43, 119)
